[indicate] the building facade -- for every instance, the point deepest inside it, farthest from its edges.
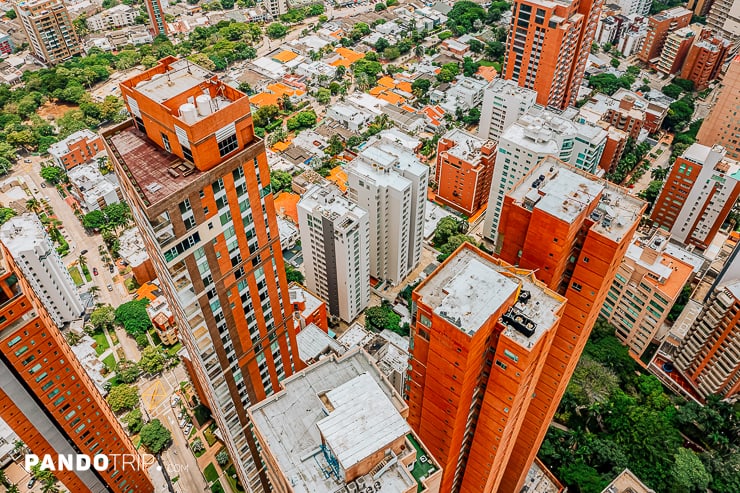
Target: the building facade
(49, 400)
(675, 49)
(548, 47)
(335, 240)
(34, 254)
(352, 423)
(389, 182)
(540, 133)
(705, 59)
(156, 17)
(698, 194)
(112, 18)
(659, 26)
(724, 19)
(197, 181)
(504, 102)
(645, 288)
(463, 171)
(49, 30)
(481, 332)
(722, 126)
(78, 148)
(574, 230)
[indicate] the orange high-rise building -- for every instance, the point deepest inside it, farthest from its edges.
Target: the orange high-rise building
(156, 16)
(574, 229)
(548, 46)
(481, 335)
(705, 59)
(659, 25)
(49, 400)
(722, 125)
(198, 184)
(464, 171)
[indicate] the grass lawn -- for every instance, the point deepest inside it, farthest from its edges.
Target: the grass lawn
(76, 276)
(101, 342)
(217, 488)
(200, 452)
(86, 272)
(210, 438)
(236, 486)
(489, 63)
(210, 472)
(192, 432)
(202, 414)
(174, 349)
(110, 362)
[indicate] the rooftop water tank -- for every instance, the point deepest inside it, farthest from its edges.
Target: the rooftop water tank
(188, 113)
(203, 102)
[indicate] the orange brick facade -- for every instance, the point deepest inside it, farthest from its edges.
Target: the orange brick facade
(722, 126)
(34, 349)
(704, 60)
(461, 184)
(81, 151)
(548, 47)
(659, 25)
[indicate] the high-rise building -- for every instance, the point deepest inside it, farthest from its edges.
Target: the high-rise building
(540, 133)
(388, 181)
(698, 194)
(339, 425)
(504, 102)
(705, 59)
(463, 171)
(49, 400)
(676, 47)
(49, 30)
(197, 181)
(722, 126)
(276, 7)
(34, 254)
(724, 19)
(335, 240)
(659, 26)
(639, 7)
(481, 333)
(700, 7)
(549, 45)
(708, 356)
(156, 17)
(574, 229)
(645, 288)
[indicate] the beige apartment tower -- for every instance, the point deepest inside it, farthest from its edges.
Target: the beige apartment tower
(49, 30)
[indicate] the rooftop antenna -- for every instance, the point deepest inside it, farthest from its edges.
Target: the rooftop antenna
(187, 65)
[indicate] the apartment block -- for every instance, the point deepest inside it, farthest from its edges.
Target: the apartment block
(93, 190)
(349, 432)
(33, 253)
(197, 181)
(307, 308)
(335, 240)
(709, 356)
(705, 59)
(389, 182)
(49, 30)
(80, 147)
(574, 230)
(480, 337)
(536, 135)
(49, 400)
(504, 102)
(548, 47)
(724, 19)
(655, 109)
(700, 7)
(639, 7)
(722, 126)
(659, 26)
(698, 194)
(645, 288)
(6, 43)
(463, 171)
(156, 17)
(676, 47)
(624, 114)
(112, 18)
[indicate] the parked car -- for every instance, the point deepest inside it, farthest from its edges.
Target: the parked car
(31, 482)
(43, 185)
(110, 287)
(95, 271)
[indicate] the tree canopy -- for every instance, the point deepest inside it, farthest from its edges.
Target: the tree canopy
(154, 436)
(123, 397)
(133, 316)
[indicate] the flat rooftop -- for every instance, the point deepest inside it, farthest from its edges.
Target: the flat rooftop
(564, 191)
(469, 288)
(348, 400)
(181, 77)
(467, 146)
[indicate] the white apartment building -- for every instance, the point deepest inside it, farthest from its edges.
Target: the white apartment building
(540, 133)
(639, 7)
(335, 238)
(465, 95)
(92, 189)
(113, 18)
(33, 251)
(504, 102)
(390, 183)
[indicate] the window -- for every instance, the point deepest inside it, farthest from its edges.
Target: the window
(511, 356)
(576, 287)
(227, 145)
(166, 143)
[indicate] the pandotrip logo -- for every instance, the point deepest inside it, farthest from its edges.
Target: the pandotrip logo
(98, 462)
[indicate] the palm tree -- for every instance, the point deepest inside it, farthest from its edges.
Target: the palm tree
(50, 486)
(93, 290)
(419, 51)
(659, 174)
(13, 489)
(4, 479)
(33, 205)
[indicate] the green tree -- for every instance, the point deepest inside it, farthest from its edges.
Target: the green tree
(276, 30)
(154, 436)
(323, 95)
(650, 194)
(453, 242)
(265, 115)
(133, 316)
(293, 274)
(117, 214)
(420, 87)
(5, 214)
(10, 14)
(336, 145)
(52, 174)
(679, 114)
(94, 219)
(461, 19)
(280, 181)
(673, 91)
(582, 477)
(446, 227)
(222, 458)
(134, 421)
(303, 119)
(103, 317)
(152, 360)
(197, 445)
(379, 318)
(123, 397)
(592, 382)
(688, 473)
(127, 371)
(470, 67)
(448, 72)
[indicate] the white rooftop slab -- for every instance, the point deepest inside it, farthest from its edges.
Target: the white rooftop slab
(182, 76)
(355, 336)
(734, 288)
(362, 422)
(313, 342)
